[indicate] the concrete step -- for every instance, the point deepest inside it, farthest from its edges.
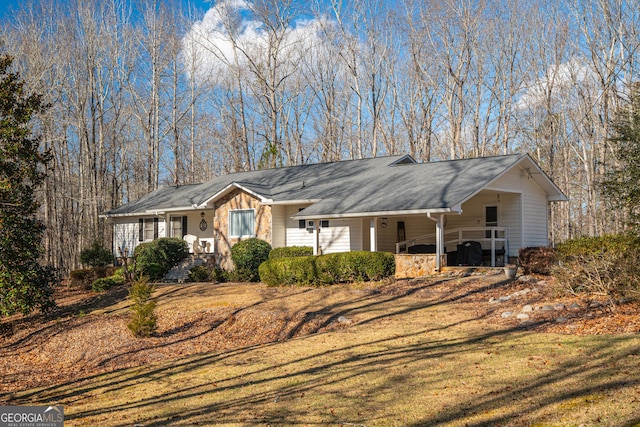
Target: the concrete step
(180, 273)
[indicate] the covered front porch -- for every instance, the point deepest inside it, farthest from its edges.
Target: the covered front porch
(464, 246)
(486, 230)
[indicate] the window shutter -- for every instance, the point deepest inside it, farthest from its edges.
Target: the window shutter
(184, 226)
(140, 230)
(155, 228)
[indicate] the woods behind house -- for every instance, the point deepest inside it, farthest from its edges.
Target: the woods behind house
(144, 94)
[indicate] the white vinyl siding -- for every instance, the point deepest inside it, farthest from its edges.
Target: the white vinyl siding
(414, 225)
(342, 235)
(534, 207)
(242, 223)
(278, 226)
(126, 233)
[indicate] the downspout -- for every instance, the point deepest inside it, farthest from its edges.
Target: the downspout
(316, 237)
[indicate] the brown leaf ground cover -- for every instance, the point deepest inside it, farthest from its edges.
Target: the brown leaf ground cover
(86, 337)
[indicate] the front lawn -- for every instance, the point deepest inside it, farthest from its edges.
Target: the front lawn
(422, 352)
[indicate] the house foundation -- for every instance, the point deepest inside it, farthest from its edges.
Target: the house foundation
(410, 266)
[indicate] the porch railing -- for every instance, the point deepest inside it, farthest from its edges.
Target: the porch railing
(491, 238)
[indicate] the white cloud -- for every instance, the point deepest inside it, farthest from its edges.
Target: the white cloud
(558, 82)
(209, 45)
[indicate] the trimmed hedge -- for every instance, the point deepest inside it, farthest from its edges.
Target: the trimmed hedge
(290, 251)
(328, 269)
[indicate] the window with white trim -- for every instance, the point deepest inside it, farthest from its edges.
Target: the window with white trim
(147, 229)
(178, 226)
(242, 223)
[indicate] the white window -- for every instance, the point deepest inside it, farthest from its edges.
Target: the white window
(242, 223)
(177, 226)
(147, 229)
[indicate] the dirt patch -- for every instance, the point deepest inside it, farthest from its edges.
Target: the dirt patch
(87, 333)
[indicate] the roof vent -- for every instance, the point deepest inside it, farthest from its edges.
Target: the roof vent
(404, 160)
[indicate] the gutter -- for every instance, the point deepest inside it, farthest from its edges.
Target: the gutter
(457, 209)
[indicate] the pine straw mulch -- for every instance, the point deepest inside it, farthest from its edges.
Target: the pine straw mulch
(69, 344)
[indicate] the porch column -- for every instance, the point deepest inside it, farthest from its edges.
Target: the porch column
(373, 234)
(439, 220)
(316, 237)
(439, 241)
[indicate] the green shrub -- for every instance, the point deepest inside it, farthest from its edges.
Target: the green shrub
(96, 255)
(247, 255)
(289, 271)
(155, 259)
(173, 250)
(290, 251)
(328, 269)
(219, 275)
(608, 265)
(105, 283)
(199, 273)
(85, 277)
(538, 260)
(361, 265)
(143, 322)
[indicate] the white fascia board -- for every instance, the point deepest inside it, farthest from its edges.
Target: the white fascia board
(124, 215)
(228, 188)
(547, 182)
(455, 210)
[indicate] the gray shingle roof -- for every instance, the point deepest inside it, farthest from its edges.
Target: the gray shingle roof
(347, 188)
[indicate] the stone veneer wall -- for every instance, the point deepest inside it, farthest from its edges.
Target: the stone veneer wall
(416, 265)
(237, 199)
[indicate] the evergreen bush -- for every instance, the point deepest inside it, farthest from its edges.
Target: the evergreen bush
(290, 251)
(199, 273)
(143, 322)
(105, 283)
(96, 255)
(247, 255)
(155, 259)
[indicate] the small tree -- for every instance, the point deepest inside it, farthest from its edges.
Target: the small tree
(24, 283)
(143, 321)
(96, 256)
(621, 186)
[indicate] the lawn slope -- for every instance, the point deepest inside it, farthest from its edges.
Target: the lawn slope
(410, 353)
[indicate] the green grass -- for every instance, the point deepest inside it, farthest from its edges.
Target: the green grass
(407, 361)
